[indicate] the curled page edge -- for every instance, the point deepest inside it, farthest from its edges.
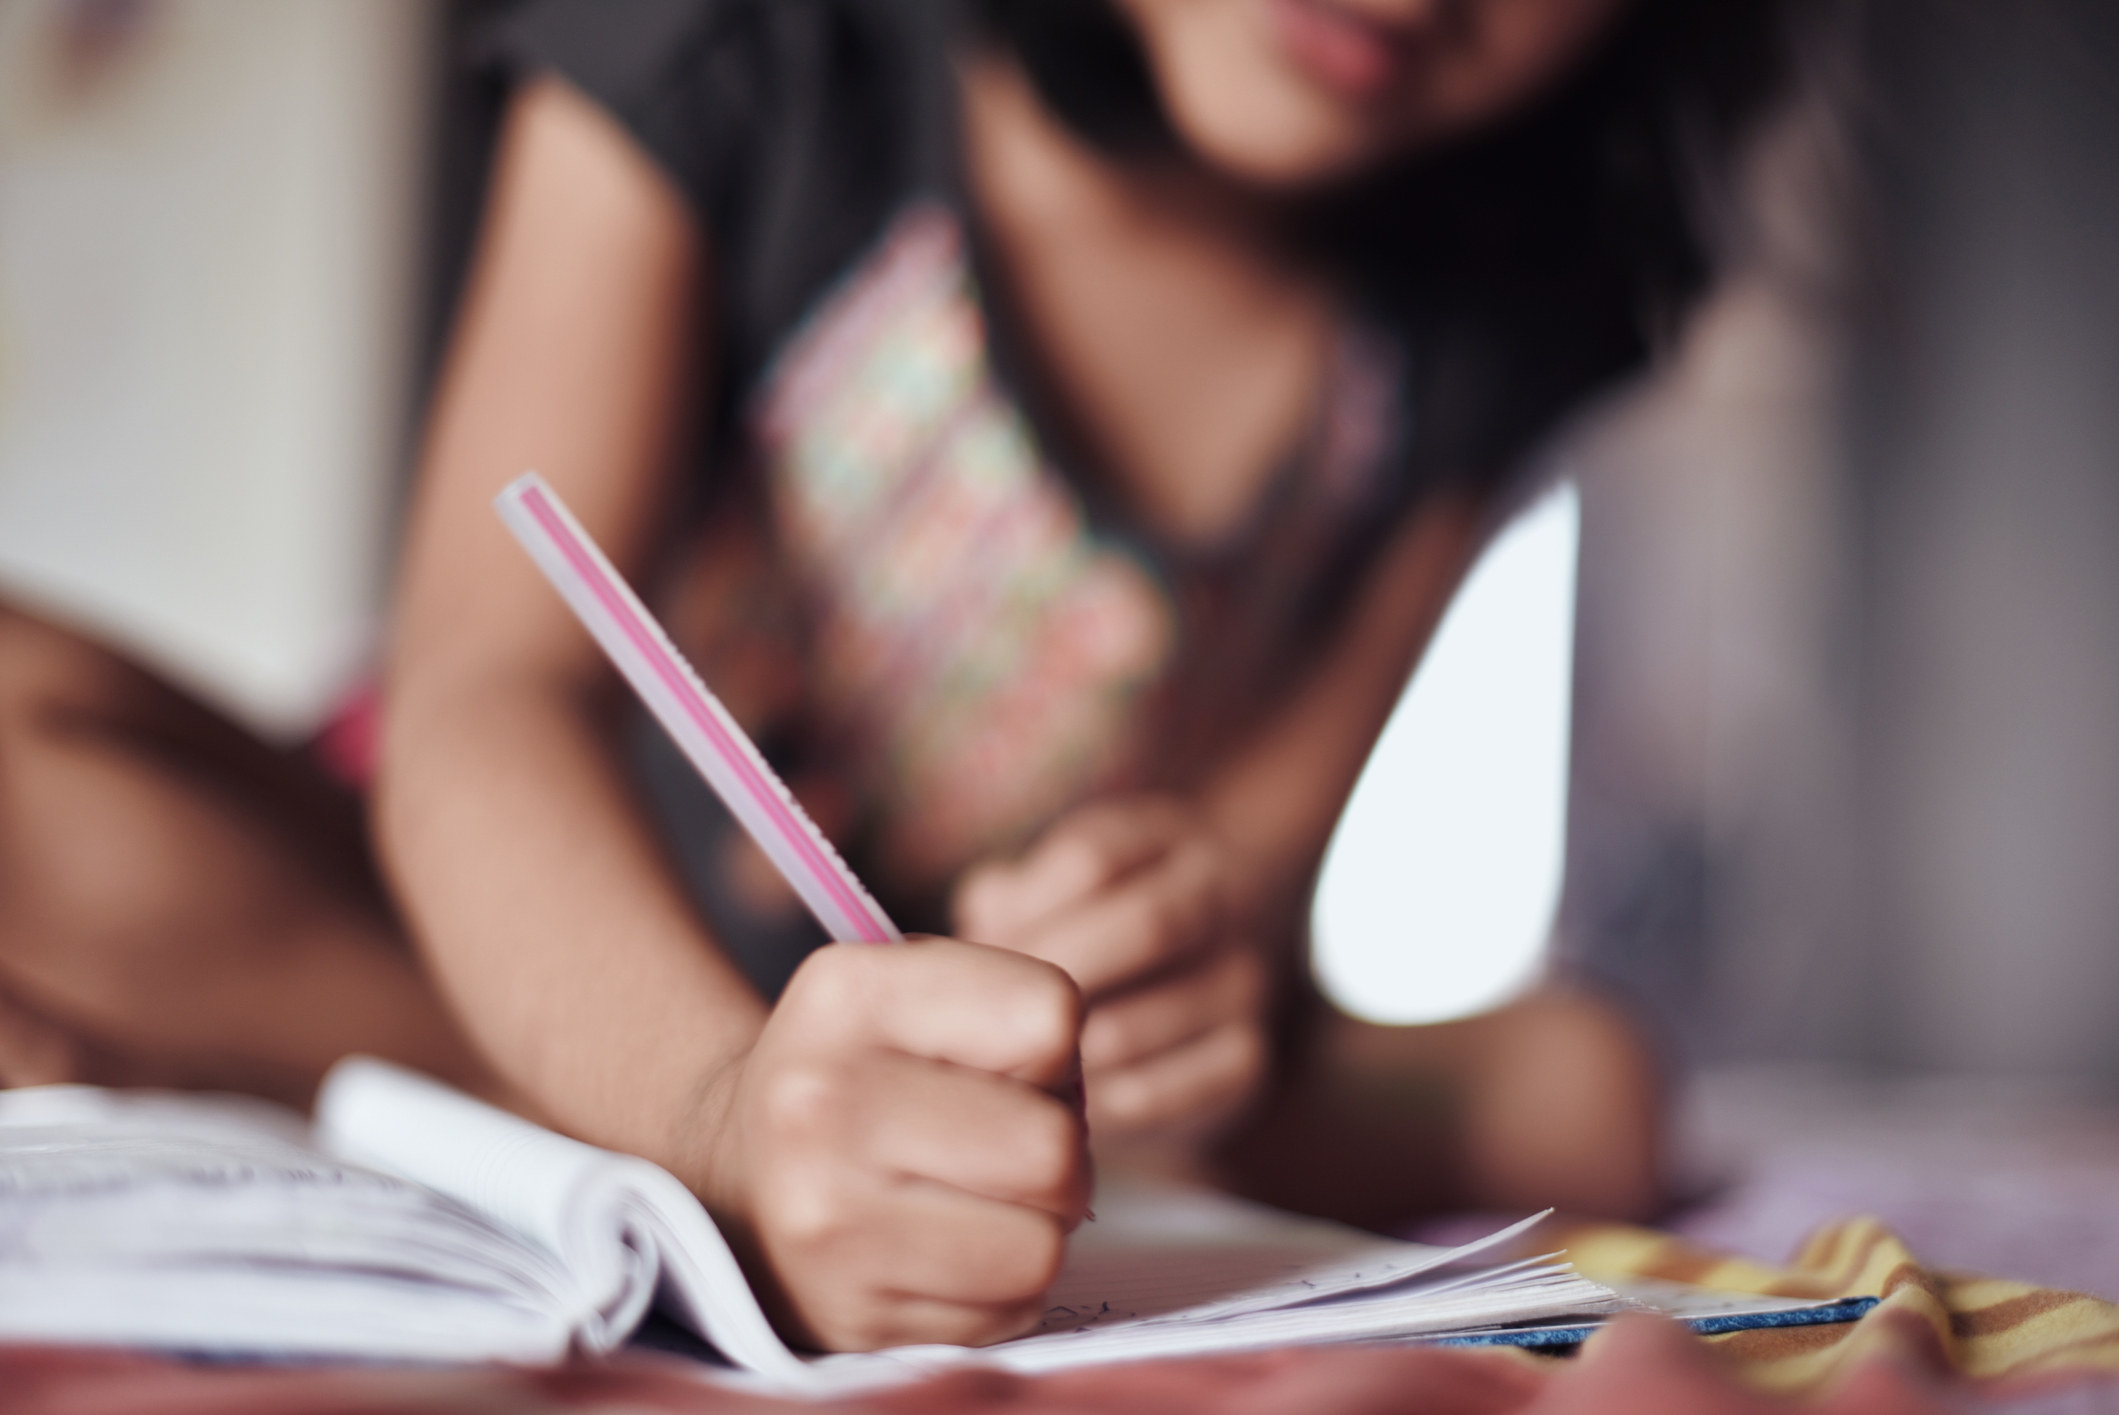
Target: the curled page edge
(572, 1197)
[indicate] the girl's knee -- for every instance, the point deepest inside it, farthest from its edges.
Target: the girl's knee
(44, 667)
(89, 866)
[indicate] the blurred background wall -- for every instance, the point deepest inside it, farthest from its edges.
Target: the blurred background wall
(1847, 765)
(211, 224)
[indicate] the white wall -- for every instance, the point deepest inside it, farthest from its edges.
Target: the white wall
(208, 217)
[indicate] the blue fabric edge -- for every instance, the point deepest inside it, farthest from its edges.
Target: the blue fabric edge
(1846, 1310)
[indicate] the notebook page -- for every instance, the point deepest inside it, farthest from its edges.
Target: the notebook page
(1456, 1302)
(1175, 1255)
(619, 1224)
(276, 1219)
(137, 1178)
(319, 1313)
(282, 1247)
(1531, 1295)
(210, 1223)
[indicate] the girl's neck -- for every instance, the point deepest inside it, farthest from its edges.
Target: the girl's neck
(1180, 340)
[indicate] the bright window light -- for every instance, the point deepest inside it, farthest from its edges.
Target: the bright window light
(1439, 890)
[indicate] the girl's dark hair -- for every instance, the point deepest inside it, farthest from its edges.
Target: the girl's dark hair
(1530, 262)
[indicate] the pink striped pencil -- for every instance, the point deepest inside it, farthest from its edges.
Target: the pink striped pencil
(695, 719)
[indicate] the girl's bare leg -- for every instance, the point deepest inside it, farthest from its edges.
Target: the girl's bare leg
(179, 903)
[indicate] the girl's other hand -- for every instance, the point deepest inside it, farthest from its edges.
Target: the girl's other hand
(1133, 898)
(894, 1156)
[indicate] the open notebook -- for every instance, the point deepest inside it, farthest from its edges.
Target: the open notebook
(414, 1223)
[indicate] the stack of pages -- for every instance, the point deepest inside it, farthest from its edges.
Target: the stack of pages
(414, 1223)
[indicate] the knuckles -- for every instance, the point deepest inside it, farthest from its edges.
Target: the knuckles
(806, 1213)
(1039, 1017)
(805, 1099)
(834, 981)
(1025, 1014)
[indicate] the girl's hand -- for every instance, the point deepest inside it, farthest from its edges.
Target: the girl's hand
(894, 1155)
(1133, 898)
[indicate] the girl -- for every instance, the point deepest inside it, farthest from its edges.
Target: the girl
(1054, 426)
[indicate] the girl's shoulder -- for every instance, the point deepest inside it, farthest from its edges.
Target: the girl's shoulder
(795, 129)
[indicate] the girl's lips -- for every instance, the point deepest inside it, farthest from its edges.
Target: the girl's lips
(1338, 48)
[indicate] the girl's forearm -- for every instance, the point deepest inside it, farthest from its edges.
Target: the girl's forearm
(1273, 806)
(526, 873)
(559, 935)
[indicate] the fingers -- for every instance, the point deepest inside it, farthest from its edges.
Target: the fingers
(1087, 851)
(1134, 1026)
(1129, 897)
(1153, 920)
(871, 1320)
(903, 1119)
(852, 1236)
(984, 1008)
(912, 1320)
(867, 1264)
(1176, 1060)
(1183, 1092)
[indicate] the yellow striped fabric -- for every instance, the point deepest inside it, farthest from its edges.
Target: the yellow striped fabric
(2005, 1336)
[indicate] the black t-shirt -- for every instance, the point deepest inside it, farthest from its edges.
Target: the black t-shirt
(806, 134)
(800, 130)
(795, 128)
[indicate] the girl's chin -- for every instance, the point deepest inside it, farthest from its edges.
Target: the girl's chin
(1279, 162)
